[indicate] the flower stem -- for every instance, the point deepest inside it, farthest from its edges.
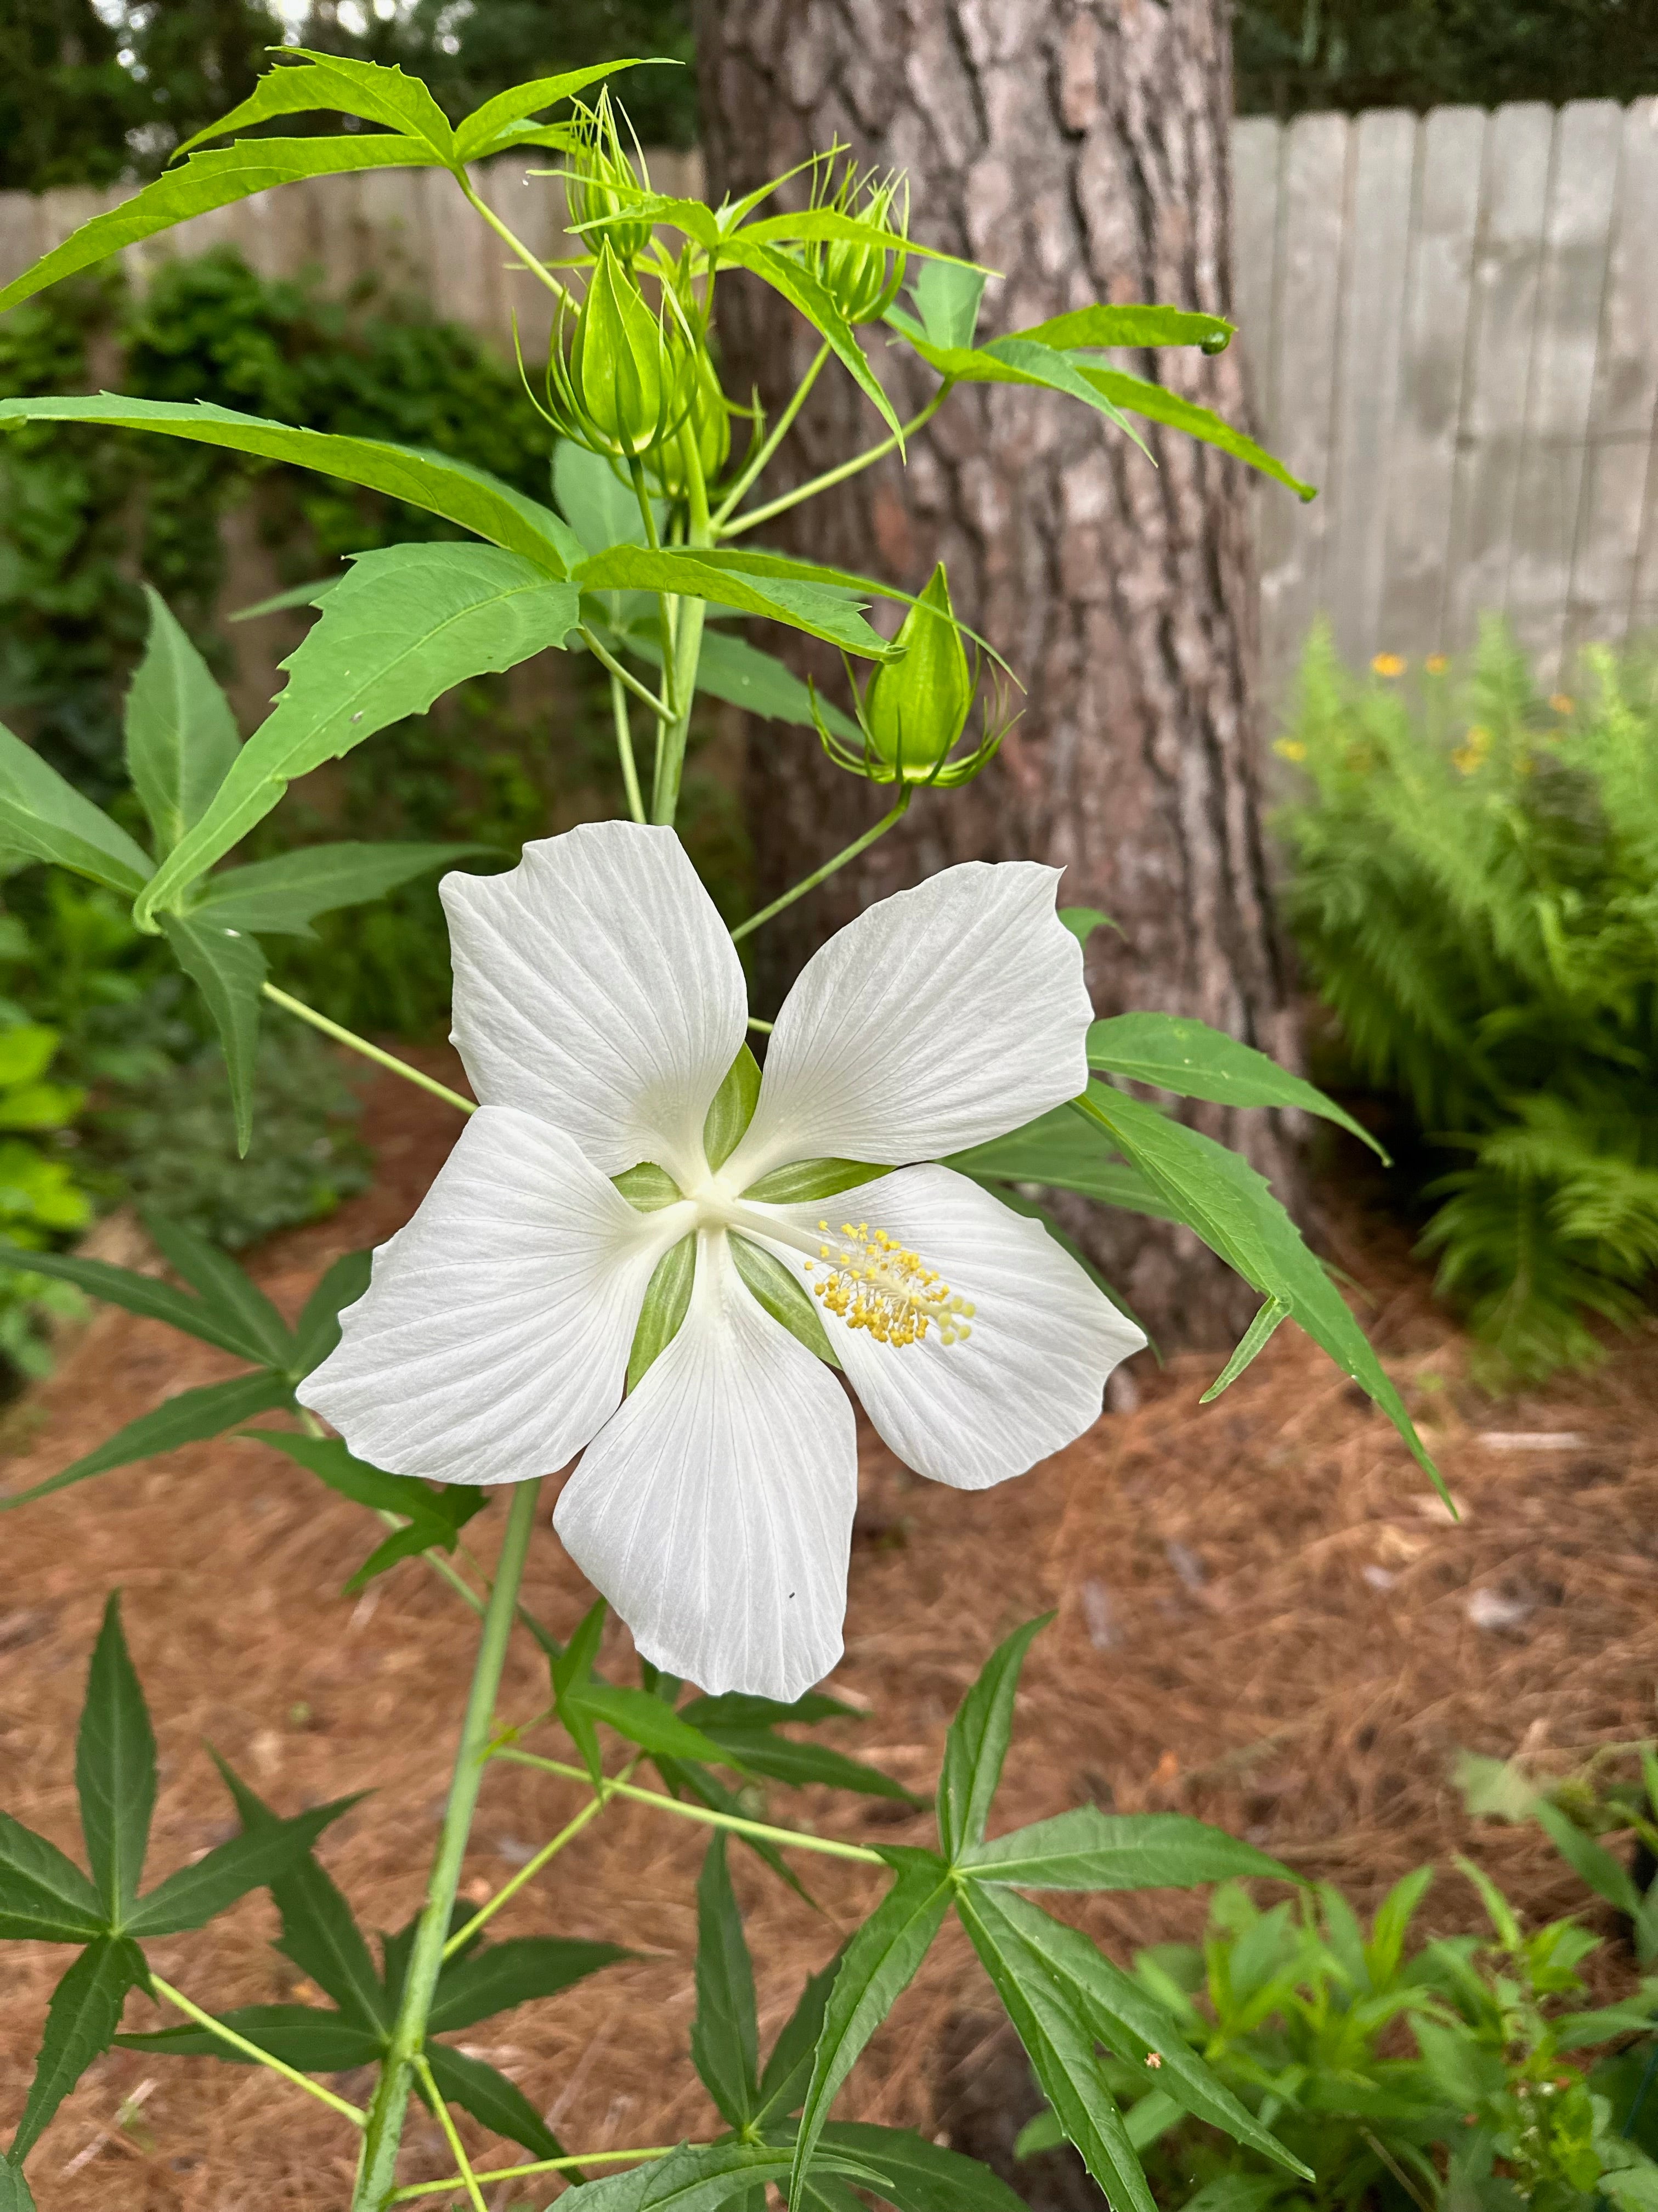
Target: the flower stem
(827, 1844)
(624, 676)
(784, 501)
(298, 1008)
(178, 2000)
(682, 645)
(754, 469)
(567, 1834)
(810, 883)
(522, 2172)
(624, 746)
(446, 2121)
(378, 2168)
(528, 260)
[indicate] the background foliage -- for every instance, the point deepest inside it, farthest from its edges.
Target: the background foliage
(1474, 885)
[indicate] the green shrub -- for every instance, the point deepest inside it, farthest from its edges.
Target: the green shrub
(1474, 883)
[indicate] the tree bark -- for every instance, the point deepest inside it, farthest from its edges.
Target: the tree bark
(1080, 147)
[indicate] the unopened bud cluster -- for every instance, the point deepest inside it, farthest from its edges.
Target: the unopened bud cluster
(861, 274)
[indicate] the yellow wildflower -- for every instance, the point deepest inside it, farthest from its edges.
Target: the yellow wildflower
(1388, 664)
(1469, 755)
(1291, 749)
(1436, 664)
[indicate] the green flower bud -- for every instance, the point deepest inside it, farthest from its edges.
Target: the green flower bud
(915, 708)
(707, 424)
(618, 385)
(598, 180)
(861, 276)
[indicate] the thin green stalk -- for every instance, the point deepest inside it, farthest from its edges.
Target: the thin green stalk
(523, 2172)
(180, 2002)
(810, 883)
(784, 501)
(446, 2121)
(606, 659)
(764, 1028)
(560, 292)
(378, 2169)
(755, 468)
(298, 1008)
(567, 1834)
(624, 746)
(681, 640)
(827, 1844)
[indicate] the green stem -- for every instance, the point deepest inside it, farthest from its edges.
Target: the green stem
(606, 659)
(378, 2169)
(624, 746)
(298, 1008)
(784, 501)
(446, 2121)
(756, 467)
(522, 2172)
(810, 883)
(706, 1814)
(764, 1028)
(567, 1834)
(544, 275)
(682, 641)
(180, 2002)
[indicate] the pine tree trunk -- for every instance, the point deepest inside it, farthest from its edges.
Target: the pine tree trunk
(1080, 147)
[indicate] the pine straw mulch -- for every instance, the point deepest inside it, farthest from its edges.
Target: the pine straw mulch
(1263, 1619)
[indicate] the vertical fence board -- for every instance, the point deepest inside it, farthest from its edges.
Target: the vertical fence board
(1434, 344)
(1256, 140)
(1372, 318)
(1571, 295)
(1508, 270)
(1617, 462)
(1303, 377)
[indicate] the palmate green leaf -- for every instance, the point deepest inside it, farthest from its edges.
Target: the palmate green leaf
(1120, 2012)
(1066, 1153)
(1176, 1053)
(319, 1329)
(228, 1289)
(820, 609)
(15, 2193)
(919, 2176)
(646, 1720)
(435, 1517)
(570, 1673)
(229, 970)
(725, 2034)
(140, 1294)
(1158, 404)
(794, 282)
(43, 817)
(432, 482)
(407, 622)
(1109, 326)
(257, 1858)
(688, 1777)
(318, 1932)
(457, 1504)
(492, 2099)
(977, 1743)
(115, 1770)
(803, 1763)
(947, 296)
(1086, 1849)
(81, 2021)
(181, 735)
(303, 80)
(1082, 920)
(1249, 1346)
(1232, 1209)
(189, 1417)
(302, 2036)
(44, 1897)
(700, 2177)
(501, 1975)
(211, 180)
(1012, 361)
(283, 897)
(787, 2074)
(878, 1966)
(1061, 2049)
(483, 131)
(1591, 1861)
(599, 505)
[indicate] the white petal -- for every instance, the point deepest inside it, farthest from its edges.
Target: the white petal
(596, 987)
(940, 1018)
(715, 1510)
(493, 1339)
(1031, 1376)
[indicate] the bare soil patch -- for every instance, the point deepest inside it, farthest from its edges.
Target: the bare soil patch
(1263, 1618)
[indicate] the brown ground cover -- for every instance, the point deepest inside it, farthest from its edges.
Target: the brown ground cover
(1263, 1619)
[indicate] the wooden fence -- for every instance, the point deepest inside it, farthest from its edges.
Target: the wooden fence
(1450, 324)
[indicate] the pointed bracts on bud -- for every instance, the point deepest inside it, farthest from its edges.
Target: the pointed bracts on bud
(601, 179)
(618, 385)
(860, 275)
(913, 711)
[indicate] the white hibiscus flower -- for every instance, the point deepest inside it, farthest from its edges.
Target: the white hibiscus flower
(599, 1006)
